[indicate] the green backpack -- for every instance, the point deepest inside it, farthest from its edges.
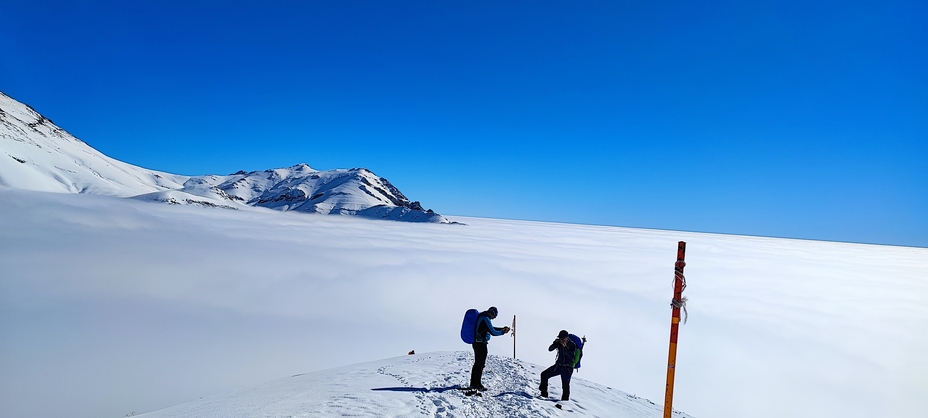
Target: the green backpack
(579, 353)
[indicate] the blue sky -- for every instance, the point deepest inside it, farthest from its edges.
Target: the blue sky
(784, 119)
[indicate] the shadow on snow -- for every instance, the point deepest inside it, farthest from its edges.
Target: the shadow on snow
(445, 389)
(425, 390)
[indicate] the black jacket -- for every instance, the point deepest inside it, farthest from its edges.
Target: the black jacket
(565, 355)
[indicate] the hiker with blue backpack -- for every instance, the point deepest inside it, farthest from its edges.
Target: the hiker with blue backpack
(477, 330)
(568, 358)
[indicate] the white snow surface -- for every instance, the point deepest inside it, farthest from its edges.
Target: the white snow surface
(419, 385)
(110, 306)
(39, 155)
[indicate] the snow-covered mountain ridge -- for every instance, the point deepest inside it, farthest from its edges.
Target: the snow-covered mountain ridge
(41, 156)
(422, 385)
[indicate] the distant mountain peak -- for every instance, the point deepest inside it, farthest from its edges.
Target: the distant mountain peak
(42, 156)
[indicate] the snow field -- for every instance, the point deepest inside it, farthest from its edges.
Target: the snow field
(422, 385)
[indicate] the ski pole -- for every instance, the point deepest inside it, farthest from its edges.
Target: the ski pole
(513, 337)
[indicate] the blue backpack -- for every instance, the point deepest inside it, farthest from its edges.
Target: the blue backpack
(469, 325)
(579, 353)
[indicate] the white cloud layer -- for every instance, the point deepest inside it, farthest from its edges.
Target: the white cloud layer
(109, 306)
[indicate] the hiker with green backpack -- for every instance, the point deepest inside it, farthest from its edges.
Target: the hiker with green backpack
(568, 358)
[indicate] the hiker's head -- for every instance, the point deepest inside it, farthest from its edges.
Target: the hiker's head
(562, 335)
(493, 312)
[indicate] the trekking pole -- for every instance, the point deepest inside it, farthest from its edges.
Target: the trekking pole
(679, 283)
(513, 337)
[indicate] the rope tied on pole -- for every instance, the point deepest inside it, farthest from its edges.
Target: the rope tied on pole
(678, 275)
(680, 303)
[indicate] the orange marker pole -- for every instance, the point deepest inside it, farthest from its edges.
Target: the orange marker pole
(679, 283)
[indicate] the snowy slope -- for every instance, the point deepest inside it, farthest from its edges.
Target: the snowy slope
(41, 156)
(421, 385)
(38, 155)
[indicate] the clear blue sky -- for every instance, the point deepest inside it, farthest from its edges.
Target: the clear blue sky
(788, 118)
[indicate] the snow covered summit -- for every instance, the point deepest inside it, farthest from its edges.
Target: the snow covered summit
(424, 385)
(39, 155)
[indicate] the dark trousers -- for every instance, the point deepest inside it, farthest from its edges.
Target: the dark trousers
(480, 361)
(565, 372)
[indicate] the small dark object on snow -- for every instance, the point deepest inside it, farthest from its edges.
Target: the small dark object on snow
(412, 352)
